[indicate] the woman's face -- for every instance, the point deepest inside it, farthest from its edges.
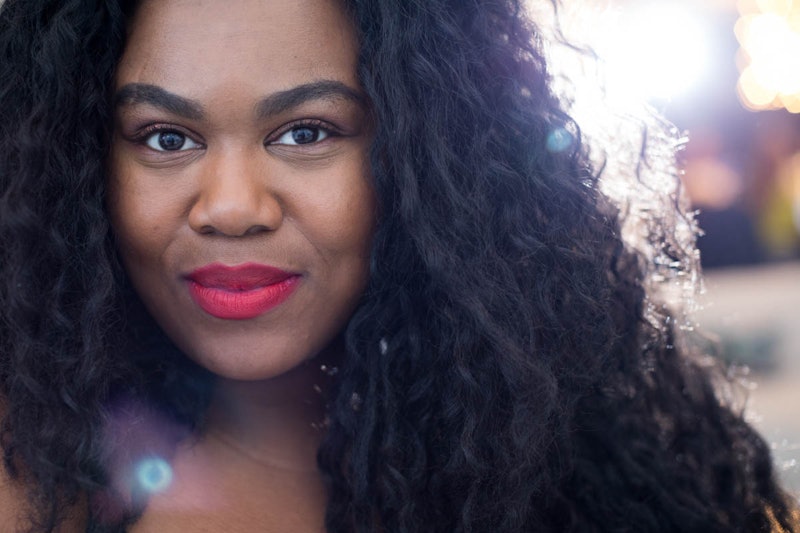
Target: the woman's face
(239, 184)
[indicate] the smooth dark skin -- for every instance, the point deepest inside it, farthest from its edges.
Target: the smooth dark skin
(233, 78)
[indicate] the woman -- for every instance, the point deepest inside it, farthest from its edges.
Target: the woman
(305, 266)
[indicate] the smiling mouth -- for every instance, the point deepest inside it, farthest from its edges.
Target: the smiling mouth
(240, 292)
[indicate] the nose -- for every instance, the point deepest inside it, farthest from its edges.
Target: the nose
(234, 197)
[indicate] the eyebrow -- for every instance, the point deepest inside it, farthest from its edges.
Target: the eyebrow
(319, 90)
(143, 93)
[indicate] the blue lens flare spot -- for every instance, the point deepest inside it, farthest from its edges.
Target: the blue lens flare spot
(559, 140)
(154, 475)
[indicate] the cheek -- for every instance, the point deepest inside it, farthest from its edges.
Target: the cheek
(349, 220)
(136, 217)
(145, 205)
(332, 206)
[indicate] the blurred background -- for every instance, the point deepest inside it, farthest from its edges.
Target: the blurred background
(727, 72)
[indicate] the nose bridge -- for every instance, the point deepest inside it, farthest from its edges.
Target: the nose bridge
(234, 194)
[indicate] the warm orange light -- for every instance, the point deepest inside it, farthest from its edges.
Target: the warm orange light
(769, 33)
(791, 102)
(779, 7)
(753, 94)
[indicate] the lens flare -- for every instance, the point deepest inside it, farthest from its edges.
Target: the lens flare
(559, 140)
(153, 475)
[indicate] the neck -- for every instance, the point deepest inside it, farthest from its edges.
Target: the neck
(279, 422)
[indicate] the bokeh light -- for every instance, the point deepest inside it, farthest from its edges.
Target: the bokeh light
(741, 168)
(769, 34)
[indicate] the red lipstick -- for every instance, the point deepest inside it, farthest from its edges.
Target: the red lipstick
(240, 292)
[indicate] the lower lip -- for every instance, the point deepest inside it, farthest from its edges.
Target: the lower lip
(242, 305)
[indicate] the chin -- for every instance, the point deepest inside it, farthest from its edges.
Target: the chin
(265, 361)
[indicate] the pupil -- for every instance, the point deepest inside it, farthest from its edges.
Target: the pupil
(171, 140)
(304, 135)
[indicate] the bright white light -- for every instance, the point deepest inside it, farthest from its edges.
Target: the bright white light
(774, 49)
(657, 50)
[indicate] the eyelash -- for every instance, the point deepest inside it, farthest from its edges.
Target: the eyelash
(327, 130)
(145, 134)
(323, 129)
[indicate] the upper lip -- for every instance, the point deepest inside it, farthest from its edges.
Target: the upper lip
(244, 277)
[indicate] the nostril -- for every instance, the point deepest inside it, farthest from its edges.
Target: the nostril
(235, 216)
(235, 198)
(206, 230)
(256, 229)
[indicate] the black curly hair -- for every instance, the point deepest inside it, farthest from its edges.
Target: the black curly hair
(511, 366)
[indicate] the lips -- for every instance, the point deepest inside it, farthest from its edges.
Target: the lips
(240, 292)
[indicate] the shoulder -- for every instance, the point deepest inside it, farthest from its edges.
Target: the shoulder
(13, 501)
(15, 507)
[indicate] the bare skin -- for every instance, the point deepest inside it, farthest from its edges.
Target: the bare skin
(241, 136)
(242, 476)
(15, 508)
(271, 168)
(12, 500)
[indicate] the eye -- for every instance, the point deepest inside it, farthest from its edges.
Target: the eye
(303, 135)
(170, 141)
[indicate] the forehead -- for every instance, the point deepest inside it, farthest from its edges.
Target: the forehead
(191, 45)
